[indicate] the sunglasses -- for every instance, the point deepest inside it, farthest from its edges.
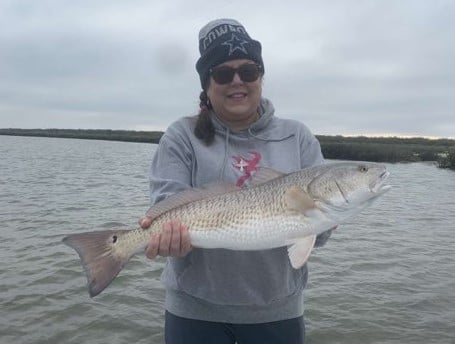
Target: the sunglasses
(247, 72)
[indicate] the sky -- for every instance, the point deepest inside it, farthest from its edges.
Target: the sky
(342, 67)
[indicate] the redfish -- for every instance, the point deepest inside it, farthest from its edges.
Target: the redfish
(276, 210)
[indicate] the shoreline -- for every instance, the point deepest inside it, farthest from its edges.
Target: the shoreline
(377, 149)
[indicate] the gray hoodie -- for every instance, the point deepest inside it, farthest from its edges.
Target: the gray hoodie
(218, 284)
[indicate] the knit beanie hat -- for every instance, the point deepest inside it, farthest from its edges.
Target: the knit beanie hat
(223, 40)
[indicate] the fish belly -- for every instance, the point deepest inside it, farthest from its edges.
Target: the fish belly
(252, 235)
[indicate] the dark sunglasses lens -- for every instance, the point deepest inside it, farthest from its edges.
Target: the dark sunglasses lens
(223, 75)
(247, 73)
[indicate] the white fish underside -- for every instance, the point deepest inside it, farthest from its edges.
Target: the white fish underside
(256, 234)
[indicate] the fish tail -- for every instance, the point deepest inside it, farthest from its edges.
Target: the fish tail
(99, 257)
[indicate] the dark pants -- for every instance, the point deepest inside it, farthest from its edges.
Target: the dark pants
(188, 331)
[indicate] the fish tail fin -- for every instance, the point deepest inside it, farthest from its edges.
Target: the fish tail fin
(100, 260)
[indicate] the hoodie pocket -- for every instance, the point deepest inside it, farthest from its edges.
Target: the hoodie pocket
(227, 277)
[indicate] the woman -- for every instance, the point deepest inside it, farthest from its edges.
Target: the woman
(217, 295)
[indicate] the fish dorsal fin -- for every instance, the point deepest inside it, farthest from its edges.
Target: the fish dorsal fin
(298, 200)
(218, 188)
(263, 175)
(188, 196)
(300, 251)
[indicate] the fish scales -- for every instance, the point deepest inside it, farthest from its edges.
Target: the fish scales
(234, 218)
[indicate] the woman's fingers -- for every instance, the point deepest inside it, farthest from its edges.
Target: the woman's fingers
(185, 241)
(152, 248)
(145, 222)
(175, 244)
(165, 242)
(173, 241)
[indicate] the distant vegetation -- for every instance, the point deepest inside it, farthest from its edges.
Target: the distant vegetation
(89, 134)
(379, 149)
(389, 149)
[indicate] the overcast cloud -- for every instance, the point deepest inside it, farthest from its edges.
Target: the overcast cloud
(359, 67)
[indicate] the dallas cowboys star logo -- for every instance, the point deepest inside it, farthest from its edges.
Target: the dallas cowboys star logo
(235, 43)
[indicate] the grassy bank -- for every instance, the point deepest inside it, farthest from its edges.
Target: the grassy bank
(89, 134)
(379, 149)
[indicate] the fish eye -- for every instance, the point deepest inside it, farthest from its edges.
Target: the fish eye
(363, 169)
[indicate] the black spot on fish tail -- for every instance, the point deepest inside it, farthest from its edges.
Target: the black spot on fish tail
(100, 262)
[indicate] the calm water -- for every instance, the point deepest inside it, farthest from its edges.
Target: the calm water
(387, 277)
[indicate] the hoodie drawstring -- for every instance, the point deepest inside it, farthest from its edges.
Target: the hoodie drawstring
(226, 152)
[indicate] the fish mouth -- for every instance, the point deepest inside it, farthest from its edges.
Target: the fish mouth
(380, 186)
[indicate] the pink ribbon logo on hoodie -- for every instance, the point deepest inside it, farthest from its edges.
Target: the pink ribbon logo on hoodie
(246, 166)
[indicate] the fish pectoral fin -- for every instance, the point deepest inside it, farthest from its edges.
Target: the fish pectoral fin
(300, 251)
(298, 200)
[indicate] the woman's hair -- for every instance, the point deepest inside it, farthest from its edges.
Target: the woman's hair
(204, 130)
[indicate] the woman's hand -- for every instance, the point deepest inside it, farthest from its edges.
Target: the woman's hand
(172, 241)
